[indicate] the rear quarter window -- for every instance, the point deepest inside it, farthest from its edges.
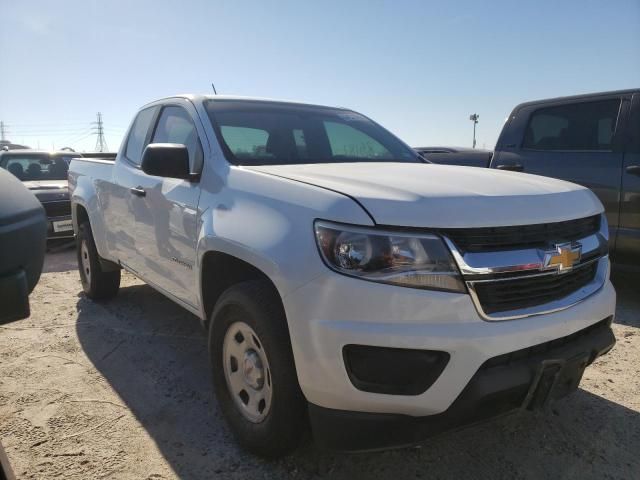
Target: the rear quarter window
(577, 126)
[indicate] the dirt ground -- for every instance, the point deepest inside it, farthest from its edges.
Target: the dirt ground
(122, 390)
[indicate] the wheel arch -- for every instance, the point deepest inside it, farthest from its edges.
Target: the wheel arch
(219, 271)
(79, 214)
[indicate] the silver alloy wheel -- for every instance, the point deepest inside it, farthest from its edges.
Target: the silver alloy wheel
(247, 372)
(86, 263)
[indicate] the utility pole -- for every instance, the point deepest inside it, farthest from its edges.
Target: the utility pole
(101, 143)
(474, 118)
(2, 132)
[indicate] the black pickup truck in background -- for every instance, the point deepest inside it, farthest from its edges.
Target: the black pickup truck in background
(45, 175)
(469, 157)
(592, 140)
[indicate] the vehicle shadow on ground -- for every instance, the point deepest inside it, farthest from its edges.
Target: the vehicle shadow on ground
(627, 285)
(154, 355)
(63, 260)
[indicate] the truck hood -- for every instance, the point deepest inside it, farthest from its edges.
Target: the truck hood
(444, 196)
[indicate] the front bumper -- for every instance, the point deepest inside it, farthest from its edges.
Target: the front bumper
(527, 378)
(333, 311)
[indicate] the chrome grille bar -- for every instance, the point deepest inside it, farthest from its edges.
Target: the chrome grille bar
(517, 267)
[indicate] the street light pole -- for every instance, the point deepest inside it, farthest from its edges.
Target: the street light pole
(474, 118)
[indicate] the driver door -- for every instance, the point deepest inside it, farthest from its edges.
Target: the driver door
(167, 237)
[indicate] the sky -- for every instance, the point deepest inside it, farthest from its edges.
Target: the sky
(419, 68)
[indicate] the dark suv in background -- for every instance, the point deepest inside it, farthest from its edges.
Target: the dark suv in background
(45, 174)
(469, 157)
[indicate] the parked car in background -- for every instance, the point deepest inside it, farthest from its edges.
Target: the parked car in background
(45, 174)
(7, 145)
(22, 245)
(592, 140)
(470, 157)
(341, 278)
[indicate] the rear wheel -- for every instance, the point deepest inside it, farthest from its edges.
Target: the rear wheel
(97, 283)
(253, 370)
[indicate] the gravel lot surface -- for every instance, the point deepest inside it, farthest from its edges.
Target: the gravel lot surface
(122, 390)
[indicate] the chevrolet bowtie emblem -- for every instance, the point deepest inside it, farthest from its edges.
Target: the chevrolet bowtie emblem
(563, 258)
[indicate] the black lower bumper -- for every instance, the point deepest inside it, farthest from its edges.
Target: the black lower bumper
(528, 378)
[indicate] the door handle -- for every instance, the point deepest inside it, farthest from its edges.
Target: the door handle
(138, 191)
(633, 169)
(513, 167)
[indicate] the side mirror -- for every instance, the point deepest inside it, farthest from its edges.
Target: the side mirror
(169, 160)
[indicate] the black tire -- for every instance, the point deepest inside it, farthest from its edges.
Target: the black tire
(256, 304)
(97, 283)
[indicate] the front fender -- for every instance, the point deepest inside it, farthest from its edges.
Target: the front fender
(267, 221)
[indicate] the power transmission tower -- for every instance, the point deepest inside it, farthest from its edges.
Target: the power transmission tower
(98, 129)
(2, 132)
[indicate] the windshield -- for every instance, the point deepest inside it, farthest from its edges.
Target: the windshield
(36, 167)
(271, 133)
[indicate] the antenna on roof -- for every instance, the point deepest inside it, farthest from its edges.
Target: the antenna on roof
(214, 88)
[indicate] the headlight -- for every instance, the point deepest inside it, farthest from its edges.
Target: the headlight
(408, 260)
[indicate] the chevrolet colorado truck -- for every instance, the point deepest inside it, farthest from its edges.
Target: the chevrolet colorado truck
(345, 283)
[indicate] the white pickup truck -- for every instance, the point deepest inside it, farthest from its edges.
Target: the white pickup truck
(346, 284)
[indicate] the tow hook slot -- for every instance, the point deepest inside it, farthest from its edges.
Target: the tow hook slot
(555, 379)
(542, 386)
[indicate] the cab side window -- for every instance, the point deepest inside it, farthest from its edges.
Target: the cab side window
(634, 125)
(176, 126)
(576, 126)
(138, 135)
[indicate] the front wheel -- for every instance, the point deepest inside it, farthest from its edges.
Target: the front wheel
(253, 370)
(97, 283)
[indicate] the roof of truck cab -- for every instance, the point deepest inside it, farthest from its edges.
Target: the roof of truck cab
(583, 96)
(203, 98)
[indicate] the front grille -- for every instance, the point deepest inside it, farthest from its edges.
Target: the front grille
(520, 237)
(518, 293)
(57, 209)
